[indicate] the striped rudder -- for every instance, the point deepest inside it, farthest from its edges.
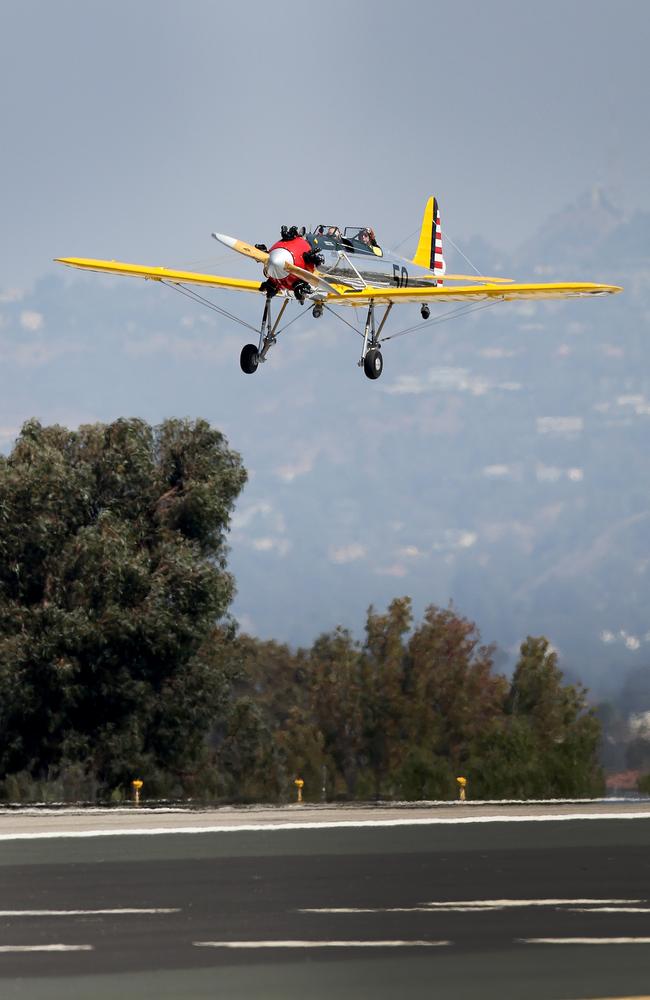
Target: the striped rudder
(429, 252)
(437, 258)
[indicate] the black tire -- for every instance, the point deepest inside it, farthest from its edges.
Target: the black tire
(248, 359)
(373, 364)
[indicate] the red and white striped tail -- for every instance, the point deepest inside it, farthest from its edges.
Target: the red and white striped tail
(437, 259)
(429, 252)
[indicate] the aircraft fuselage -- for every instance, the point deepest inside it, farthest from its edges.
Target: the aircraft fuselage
(352, 262)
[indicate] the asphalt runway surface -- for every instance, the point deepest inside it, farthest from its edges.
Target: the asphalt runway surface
(483, 902)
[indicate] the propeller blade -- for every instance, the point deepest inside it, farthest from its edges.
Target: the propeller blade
(244, 248)
(313, 278)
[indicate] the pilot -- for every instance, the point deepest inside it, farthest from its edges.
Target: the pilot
(367, 236)
(335, 232)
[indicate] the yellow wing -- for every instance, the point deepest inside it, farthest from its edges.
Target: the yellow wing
(462, 293)
(494, 288)
(160, 273)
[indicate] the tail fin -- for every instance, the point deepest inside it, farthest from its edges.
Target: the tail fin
(429, 251)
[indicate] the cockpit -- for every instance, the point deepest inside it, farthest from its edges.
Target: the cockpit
(353, 239)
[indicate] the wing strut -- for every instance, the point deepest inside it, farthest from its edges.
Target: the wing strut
(463, 310)
(201, 299)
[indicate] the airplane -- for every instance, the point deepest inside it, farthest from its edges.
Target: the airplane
(332, 267)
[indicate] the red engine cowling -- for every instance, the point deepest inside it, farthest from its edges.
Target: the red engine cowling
(294, 253)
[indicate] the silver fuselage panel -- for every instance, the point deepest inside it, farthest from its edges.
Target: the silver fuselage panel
(353, 263)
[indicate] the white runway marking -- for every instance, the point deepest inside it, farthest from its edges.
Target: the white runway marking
(487, 905)
(609, 909)
(84, 913)
(333, 825)
(5, 948)
(503, 903)
(585, 940)
(320, 944)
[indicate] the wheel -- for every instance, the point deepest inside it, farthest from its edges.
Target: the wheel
(248, 359)
(373, 364)
(425, 312)
(317, 312)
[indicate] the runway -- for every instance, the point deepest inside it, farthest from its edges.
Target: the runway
(483, 902)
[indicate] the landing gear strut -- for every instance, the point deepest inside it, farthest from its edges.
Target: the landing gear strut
(251, 356)
(371, 360)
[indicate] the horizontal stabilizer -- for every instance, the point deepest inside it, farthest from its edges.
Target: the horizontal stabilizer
(482, 278)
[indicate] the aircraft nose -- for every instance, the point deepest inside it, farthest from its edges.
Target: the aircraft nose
(277, 259)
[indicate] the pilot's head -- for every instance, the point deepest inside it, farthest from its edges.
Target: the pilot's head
(364, 236)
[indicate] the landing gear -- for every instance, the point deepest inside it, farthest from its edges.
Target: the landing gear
(249, 359)
(317, 311)
(425, 312)
(251, 356)
(371, 359)
(373, 363)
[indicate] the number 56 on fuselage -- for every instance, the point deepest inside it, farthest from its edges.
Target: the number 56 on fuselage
(332, 266)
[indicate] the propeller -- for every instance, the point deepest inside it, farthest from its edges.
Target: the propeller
(277, 260)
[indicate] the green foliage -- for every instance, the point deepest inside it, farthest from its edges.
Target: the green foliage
(423, 775)
(112, 579)
(564, 733)
(406, 713)
(117, 659)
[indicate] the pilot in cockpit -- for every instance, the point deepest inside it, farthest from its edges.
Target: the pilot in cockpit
(367, 236)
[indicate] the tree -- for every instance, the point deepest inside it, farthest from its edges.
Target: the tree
(253, 740)
(453, 694)
(336, 705)
(384, 679)
(561, 733)
(112, 580)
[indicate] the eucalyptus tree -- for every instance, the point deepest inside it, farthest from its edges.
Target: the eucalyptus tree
(113, 580)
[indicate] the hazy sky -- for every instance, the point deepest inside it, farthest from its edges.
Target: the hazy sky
(132, 129)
